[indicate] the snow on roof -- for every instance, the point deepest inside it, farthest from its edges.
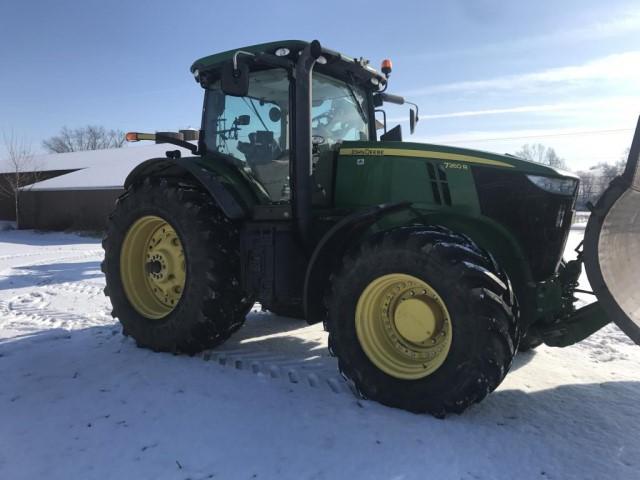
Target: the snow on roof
(84, 159)
(96, 169)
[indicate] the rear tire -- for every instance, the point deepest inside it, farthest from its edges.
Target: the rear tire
(477, 299)
(212, 304)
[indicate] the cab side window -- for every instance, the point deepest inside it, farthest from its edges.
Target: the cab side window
(254, 129)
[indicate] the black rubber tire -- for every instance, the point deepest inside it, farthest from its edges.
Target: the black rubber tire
(212, 305)
(480, 300)
(286, 310)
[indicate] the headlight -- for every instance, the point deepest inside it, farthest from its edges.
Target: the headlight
(560, 186)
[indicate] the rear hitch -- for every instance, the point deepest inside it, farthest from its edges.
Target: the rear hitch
(581, 324)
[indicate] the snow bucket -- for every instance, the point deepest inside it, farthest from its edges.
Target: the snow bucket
(612, 246)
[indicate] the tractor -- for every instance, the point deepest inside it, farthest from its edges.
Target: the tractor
(429, 266)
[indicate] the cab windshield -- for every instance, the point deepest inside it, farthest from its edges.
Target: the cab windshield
(339, 111)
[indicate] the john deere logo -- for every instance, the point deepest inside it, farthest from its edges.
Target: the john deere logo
(367, 151)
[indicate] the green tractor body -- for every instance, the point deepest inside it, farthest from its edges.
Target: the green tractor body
(304, 201)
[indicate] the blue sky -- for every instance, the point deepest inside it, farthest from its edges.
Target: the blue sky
(486, 74)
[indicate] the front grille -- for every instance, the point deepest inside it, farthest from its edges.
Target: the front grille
(539, 220)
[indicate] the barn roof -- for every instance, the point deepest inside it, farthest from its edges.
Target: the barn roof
(96, 169)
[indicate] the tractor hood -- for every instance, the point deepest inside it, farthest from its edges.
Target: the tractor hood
(463, 155)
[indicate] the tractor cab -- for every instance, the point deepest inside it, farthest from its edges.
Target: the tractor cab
(253, 95)
(252, 98)
(257, 129)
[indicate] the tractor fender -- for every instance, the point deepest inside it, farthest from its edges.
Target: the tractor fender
(503, 246)
(230, 204)
(333, 245)
(338, 239)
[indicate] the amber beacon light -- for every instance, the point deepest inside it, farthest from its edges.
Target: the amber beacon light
(386, 66)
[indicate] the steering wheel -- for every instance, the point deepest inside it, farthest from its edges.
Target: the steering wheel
(323, 122)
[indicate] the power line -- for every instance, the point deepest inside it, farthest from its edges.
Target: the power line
(586, 132)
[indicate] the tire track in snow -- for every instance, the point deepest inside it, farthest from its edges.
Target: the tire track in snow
(53, 259)
(90, 290)
(296, 368)
(262, 348)
(37, 316)
(32, 312)
(33, 309)
(288, 368)
(42, 253)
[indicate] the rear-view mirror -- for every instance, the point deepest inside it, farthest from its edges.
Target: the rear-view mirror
(412, 121)
(243, 120)
(235, 81)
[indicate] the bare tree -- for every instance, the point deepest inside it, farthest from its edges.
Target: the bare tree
(91, 137)
(541, 154)
(612, 170)
(590, 188)
(593, 182)
(21, 167)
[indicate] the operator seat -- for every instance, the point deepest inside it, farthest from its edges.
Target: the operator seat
(270, 164)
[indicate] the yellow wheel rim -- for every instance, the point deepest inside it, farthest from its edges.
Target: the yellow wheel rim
(403, 326)
(152, 267)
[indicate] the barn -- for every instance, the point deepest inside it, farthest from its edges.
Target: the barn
(76, 190)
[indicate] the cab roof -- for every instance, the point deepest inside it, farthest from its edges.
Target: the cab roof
(217, 59)
(336, 64)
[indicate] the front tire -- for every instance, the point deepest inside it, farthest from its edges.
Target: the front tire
(172, 268)
(422, 319)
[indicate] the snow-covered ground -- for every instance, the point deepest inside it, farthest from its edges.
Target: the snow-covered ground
(77, 400)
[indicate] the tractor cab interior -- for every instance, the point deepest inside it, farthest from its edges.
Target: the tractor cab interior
(255, 129)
